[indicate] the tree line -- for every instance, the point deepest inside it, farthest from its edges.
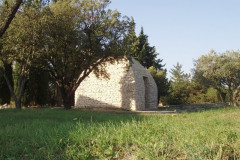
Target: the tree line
(215, 78)
(49, 48)
(68, 39)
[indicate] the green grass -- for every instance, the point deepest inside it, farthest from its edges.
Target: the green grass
(56, 134)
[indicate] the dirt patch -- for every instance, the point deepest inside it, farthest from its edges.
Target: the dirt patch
(192, 107)
(105, 109)
(172, 109)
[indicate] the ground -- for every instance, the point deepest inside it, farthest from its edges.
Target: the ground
(76, 134)
(171, 109)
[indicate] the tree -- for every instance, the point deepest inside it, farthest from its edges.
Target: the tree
(140, 49)
(179, 86)
(36, 90)
(210, 83)
(212, 95)
(177, 75)
(7, 14)
(146, 54)
(9, 17)
(131, 41)
(20, 48)
(8, 11)
(161, 80)
(221, 71)
(80, 36)
(5, 95)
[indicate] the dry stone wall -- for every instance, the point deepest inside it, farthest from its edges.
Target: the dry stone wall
(141, 96)
(124, 89)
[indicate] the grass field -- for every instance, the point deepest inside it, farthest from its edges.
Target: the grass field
(74, 134)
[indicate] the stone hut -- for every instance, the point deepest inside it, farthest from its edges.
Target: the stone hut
(129, 86)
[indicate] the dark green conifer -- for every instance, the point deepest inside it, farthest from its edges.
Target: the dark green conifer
(5, 95)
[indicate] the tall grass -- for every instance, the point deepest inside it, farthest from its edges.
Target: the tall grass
(61, 134)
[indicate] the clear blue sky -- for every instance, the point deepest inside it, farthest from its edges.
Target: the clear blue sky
(183, 30)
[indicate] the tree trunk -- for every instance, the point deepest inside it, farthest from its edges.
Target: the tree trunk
(68, 102)
(68, 97)
(222, 95)
(21, 83)
(230, 92)
(236, 96)
(59, 97)
(237, 100)
(18, 103)
(5, 94)
(231, 100)
(10, 87)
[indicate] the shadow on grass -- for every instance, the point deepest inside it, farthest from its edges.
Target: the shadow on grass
(60, 115)
(172, 109)
(61, 134)
(38, 133)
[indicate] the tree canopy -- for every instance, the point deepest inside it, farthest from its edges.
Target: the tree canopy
(22, 48)
(161, 80)
(179, 86)
(79, 37)
(69, 39)
(220, 70)
(8, 16)
(146, 54)
(177, 75)
(139, 48)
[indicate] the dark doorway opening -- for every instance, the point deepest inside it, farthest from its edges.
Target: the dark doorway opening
(147, 92)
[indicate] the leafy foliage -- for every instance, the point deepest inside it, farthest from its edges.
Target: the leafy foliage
(146, 54)
(177, 75)
(8, 14)
(70, 39)
(184, 90)
(5, 95)
(161, 80)
(221, 71)
(139, 48)
(131, 40)
(179, 86)
(212, 95)
(21, 48)
(79, 37)
(37, 88)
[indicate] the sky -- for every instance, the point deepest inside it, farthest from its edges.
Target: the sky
(183, 30)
